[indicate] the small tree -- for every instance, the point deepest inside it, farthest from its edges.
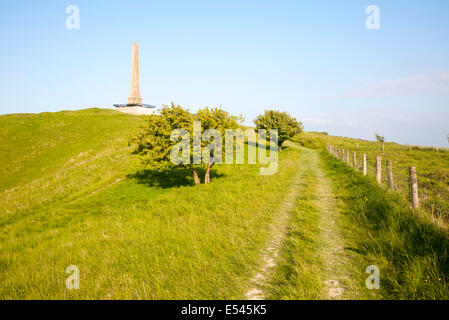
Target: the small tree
(154, 143)
(447, 138)
(381, 139)
(286, 125)
(220, 120)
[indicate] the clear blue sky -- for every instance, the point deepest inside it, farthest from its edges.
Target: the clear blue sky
(314, 59)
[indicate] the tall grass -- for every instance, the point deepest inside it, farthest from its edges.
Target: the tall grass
(411, 251)
(432, 167)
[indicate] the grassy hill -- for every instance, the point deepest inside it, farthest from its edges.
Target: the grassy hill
(49, 156)
(71, 194)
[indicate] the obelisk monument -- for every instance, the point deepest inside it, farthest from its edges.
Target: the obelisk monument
(135, 105)
(134, 98)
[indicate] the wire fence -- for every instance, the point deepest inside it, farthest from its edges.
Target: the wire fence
(422, 190)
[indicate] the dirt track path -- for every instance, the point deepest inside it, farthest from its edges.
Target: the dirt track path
(270, 253)
(331, 252)
(333, 255)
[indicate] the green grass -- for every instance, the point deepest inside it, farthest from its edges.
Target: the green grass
(317, 248)
(432, 167)
(299, 274)
(426, 159)
(72, 195)
(53, 156)
(376, 227)
(410, 250)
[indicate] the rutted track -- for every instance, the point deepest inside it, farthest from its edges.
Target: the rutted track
(333, 273)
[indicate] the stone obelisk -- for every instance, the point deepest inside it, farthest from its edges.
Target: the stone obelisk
(134, 98)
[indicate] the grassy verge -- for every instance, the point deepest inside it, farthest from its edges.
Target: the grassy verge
(431, 166)
(411, 252)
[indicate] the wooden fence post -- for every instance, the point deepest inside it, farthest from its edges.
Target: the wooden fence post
(343, 154)
(390, 175)
(354, 159)
(409, 147)
(364, 164)
(379, 169)
(357, 146)
(347, 158)
(414, 188)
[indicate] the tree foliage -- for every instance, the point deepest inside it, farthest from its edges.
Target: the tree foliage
(153, 143)
(220, 120)
(381, 139)
(286, 125)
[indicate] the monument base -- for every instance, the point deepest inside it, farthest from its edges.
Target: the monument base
(143, 109)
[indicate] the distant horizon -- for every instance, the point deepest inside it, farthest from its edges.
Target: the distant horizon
(245, 124)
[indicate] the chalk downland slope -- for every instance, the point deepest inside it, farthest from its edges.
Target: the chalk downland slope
(71, 194)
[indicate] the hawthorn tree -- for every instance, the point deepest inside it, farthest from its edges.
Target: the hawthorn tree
(215, 119)
(152, 143)
(381, 139)
(286, 125)
(158, 137)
